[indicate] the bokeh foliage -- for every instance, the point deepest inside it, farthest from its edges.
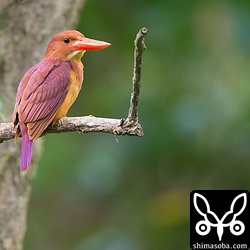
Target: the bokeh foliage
(101, 192)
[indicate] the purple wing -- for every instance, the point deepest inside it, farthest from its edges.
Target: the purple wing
(40, 93)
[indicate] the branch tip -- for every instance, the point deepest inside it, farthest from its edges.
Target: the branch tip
(144, 30)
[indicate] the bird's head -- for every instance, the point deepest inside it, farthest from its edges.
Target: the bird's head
(71, 44)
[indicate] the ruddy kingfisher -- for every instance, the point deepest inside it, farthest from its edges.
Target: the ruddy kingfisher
(48, 89)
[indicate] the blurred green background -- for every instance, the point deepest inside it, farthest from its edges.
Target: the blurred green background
(102, 192)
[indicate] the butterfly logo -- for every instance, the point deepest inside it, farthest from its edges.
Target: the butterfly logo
(210, 219)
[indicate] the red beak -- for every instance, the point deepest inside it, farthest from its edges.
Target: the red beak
(90, 44)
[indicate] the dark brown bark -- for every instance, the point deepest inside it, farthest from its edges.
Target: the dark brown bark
(25, 29)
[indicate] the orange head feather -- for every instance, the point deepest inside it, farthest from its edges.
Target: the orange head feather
(71, 44)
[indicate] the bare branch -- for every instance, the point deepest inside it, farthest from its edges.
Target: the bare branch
(139, 47)
(84, 124)
(87, 124)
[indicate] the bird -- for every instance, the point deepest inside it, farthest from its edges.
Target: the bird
(49, 88)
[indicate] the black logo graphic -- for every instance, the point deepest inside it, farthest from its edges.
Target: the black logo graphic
(220, 219)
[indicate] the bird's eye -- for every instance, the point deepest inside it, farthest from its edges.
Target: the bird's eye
(66, 40)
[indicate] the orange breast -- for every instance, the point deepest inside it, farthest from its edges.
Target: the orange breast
(76, 76)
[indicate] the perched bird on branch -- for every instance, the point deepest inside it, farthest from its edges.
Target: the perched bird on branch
(49, 88)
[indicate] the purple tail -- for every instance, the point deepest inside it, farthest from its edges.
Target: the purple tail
(26, 150)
